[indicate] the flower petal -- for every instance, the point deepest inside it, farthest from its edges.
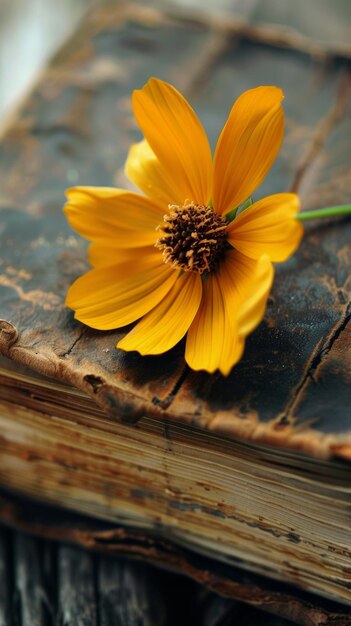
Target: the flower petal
(232, 305)
(111, 297)
(268, 227)
(253, 280)
(103, 254)
(146, 171)
(177, 138)
(167, 323)
(127, 219)
(247, 146)
(211, 337)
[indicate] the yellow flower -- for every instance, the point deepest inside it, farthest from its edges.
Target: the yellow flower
(175, 259)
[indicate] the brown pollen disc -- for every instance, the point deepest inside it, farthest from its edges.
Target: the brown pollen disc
(193, 237)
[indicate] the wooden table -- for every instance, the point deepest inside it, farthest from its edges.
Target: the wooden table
(54, 584)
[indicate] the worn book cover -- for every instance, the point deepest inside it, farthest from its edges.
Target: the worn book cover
(250, 470)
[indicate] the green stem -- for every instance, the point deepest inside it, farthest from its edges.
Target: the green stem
(344, 209)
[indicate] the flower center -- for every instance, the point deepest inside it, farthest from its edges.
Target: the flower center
(193, 237)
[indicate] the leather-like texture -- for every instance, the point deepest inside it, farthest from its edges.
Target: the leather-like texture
(292, 387)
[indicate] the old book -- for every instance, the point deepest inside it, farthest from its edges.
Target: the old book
(252, 470)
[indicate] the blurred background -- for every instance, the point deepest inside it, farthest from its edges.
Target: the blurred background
(32, 30)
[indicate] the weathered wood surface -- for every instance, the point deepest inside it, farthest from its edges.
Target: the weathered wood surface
(106, 591)
(129, 593)
(29, 592)
(76, 128)
(80, 590)
(5, 598)
(77, 589)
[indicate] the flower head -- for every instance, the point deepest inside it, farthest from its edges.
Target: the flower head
(187, 257)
